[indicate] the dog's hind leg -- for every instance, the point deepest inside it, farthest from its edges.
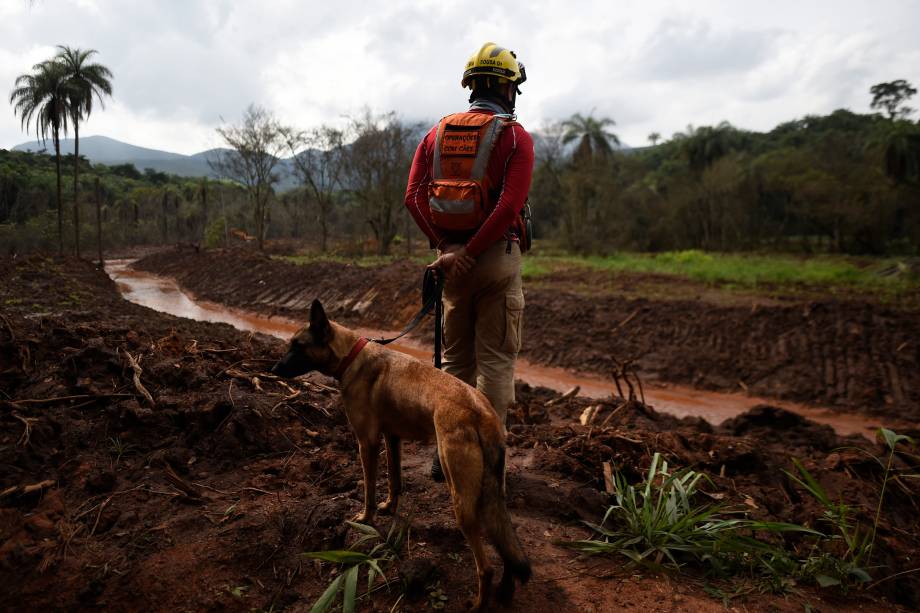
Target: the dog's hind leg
(369, 452)
(463, 466)
(394, 470)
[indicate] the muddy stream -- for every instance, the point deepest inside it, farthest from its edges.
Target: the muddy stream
(163, 294)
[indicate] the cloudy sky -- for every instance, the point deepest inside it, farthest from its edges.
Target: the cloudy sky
(182, 65)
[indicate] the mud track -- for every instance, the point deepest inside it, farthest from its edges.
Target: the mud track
(206, 498)
(850, 354)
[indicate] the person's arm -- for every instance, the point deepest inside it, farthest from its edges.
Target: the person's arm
(416, 199)
(518, 173)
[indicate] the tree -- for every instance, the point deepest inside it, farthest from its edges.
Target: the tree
(703, 146)
(890, 96)
(594, 140)
(256, 145)
(902, 153)
(653, 138)
(45, 97)
(319, 165)
(85, 81)
(376, 167)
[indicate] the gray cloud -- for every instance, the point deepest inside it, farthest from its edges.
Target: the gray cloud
(690, 49)
(180, 65)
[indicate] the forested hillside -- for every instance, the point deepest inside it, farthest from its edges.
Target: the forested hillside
(841, 183)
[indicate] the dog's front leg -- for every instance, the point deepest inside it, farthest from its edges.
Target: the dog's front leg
(369, 451)
(394, 470)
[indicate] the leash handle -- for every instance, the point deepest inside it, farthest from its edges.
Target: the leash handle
(432, 288)
(438, 318)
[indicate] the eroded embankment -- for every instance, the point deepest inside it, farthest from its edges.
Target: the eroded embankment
(849, 354)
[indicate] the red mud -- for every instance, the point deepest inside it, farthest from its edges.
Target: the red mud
(847, 354)
(206, 500)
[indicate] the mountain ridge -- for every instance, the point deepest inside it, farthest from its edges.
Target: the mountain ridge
(100, 149)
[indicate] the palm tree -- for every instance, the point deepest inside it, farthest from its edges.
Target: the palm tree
(594, 139)
(653, 138)
(45, 97)
(86, 80)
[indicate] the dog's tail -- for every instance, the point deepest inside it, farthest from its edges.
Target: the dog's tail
(496, 518)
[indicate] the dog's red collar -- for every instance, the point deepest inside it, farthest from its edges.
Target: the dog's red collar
(348, 359)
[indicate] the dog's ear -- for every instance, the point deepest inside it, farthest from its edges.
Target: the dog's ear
(319, 323)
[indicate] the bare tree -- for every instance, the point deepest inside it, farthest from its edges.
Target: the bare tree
(256, 145)
(319, 163)
(376, 167)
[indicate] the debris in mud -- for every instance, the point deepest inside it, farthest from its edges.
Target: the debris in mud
(207, 498)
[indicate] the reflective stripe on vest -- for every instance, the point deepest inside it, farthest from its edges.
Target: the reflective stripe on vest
(452, 207)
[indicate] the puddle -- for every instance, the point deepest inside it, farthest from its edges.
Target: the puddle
(163, 294)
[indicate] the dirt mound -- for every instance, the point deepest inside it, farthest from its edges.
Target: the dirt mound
(850, 354)
(206, 495)
(775, 425)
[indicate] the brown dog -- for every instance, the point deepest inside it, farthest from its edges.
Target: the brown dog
(390, 394)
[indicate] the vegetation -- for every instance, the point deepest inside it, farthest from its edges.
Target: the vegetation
(61, 90)
(845, 183)
(377, 561)
(319, 159)
(136, 208)
(746, 271)
(84, 81)
(43, 97)
(658, 524)
(256, 145)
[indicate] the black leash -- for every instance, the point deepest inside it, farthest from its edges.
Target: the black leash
(432, 288)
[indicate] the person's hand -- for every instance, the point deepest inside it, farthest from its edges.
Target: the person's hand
(453, 261)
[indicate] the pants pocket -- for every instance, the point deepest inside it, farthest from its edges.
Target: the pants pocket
(514, 320)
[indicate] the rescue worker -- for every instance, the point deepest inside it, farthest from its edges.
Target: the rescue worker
(467, 191)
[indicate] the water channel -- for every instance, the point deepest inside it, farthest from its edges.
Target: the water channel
(163, 294)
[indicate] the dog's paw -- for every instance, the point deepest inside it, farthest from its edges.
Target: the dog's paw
(387, 507)
(363, 518)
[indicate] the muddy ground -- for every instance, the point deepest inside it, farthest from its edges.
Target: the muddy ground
(845, 352)
(206, 496)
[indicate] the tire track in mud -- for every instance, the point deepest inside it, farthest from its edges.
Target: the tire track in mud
(850, 354)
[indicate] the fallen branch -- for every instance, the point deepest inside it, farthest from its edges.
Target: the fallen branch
(245, 360)
(612, 413)
(625, 321)
(572, 392)
(320, 387)
(137, 379)
(25, 401)
(180, 484)
(27, 489)
(27, 432)
(284, 400)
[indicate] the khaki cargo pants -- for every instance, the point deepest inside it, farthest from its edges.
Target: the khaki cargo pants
(483, 314)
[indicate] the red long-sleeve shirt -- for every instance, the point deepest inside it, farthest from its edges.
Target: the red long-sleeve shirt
(510, 169)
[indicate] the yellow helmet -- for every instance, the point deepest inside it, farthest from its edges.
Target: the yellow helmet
(494, 61)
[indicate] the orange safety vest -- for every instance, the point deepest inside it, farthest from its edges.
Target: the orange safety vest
(459, 197)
